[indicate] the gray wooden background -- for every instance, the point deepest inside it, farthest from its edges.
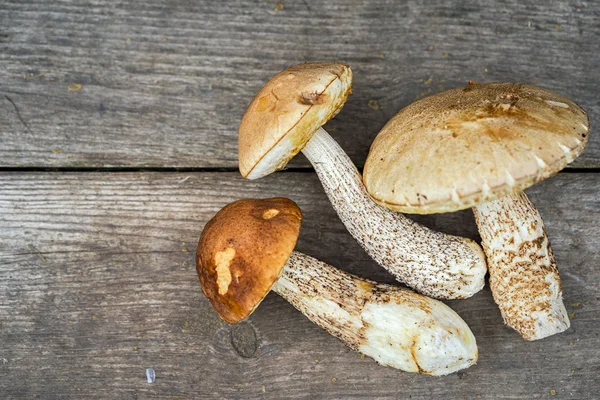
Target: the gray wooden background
(118, 142)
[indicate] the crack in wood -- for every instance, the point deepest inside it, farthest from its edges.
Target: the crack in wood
(18, 114)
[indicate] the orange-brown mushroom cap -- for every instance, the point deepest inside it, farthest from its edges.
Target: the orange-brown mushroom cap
(242, 251)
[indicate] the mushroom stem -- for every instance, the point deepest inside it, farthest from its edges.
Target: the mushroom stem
(523, 274)
(433, 263)
(395, 326)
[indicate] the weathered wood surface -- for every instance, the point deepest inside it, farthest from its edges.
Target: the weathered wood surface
(97, 283)
(97, 277)
(164, 83)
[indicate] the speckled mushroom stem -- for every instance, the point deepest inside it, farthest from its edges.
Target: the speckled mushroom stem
(394, 326)
(523, 274)
(433, 263)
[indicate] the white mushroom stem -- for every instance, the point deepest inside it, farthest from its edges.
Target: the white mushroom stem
(394, 326)
(523, 274)
(433, 263)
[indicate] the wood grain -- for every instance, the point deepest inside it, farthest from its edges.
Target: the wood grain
(97, 283)
(164, 84)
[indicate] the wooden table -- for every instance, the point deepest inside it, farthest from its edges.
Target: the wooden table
(118, 142)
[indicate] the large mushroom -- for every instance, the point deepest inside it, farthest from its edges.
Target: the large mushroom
(481, 146)
(247, 249)
(286, 117)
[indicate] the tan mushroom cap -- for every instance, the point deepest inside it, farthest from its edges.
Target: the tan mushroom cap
(467, 146)
(242, 250)
(287, 111)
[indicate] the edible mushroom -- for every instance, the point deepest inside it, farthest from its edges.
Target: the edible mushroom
(286, 117)
(247, 249)
(481, 146)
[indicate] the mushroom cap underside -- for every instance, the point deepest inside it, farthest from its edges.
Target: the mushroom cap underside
(242, 251)
(468, 146)
(287, 111)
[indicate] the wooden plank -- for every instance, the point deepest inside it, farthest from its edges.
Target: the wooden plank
(164, 84)
(97, 283)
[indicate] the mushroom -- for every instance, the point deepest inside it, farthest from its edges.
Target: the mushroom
(247, 249)
(286, 117)
(481, 146)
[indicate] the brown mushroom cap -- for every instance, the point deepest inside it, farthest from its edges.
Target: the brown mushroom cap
(242, 250)
(291, 106)
(467, 146)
